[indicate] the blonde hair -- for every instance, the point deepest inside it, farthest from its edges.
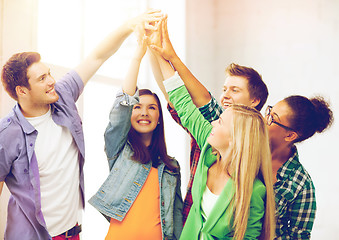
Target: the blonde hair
(251, 159)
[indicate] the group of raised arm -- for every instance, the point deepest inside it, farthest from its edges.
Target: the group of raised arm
(246, 180)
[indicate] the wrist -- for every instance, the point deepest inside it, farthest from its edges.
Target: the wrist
(138, 56)
(129, 25)
(174, 59)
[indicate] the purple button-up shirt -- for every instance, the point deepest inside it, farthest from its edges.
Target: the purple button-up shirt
(19, 166)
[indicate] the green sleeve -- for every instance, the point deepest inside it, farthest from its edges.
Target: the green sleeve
(190, 116)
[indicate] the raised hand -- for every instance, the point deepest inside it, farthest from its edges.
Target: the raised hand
(154, 36)
(147, 20)
(165, 49)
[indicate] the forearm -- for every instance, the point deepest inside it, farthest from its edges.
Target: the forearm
(130, 82)
(200, 95)
(119, 123)
(166, 68)
(113, 42)
(159, 78)
(103, 51)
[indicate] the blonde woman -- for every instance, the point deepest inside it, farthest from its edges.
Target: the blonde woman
(232, 190)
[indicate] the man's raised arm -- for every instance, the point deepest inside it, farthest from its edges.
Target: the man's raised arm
(112, 43)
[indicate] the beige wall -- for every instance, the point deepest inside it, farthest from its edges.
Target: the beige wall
(294, 45)
(17, 35)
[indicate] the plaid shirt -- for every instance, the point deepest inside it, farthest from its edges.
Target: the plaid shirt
(195, 150)
(295, 199)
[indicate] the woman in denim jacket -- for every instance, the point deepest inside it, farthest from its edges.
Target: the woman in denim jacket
(141, 197)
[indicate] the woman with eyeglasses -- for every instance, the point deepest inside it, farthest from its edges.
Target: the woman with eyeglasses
(290, 121)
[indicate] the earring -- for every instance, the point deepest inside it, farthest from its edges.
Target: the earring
(158, 123)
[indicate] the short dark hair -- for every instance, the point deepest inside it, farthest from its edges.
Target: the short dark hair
(256, 86)
(308, 115)
(157, 150)
(14, 72)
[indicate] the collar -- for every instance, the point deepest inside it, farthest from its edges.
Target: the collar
(26, 126)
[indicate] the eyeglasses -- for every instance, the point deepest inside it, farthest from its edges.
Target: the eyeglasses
(270, 119)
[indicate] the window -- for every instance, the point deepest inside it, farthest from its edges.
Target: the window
(67, 32)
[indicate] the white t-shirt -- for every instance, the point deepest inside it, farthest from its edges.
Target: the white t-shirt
(208, 201)
(57, 157)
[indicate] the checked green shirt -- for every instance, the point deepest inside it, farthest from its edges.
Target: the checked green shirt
(294, 191)
(295, 200)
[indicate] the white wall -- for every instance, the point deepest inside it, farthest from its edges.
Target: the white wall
(294, 45)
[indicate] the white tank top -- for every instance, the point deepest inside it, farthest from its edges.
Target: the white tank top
(208, 201)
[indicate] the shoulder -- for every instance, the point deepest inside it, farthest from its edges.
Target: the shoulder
(9, 125)
(296, 176)
(12, 136)
(175, 164)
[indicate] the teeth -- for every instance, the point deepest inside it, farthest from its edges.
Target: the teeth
(144, 121)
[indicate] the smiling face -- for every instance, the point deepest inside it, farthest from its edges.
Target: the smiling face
(42, 91)
(235, 91)
(220, 137)
(145, 115)
(35, 100)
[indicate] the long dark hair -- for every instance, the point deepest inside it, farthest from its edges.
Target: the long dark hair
(308, 115)
(157, 150)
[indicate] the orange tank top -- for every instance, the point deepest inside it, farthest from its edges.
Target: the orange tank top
(142, 221)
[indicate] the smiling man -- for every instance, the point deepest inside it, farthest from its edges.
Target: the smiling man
(42, 143)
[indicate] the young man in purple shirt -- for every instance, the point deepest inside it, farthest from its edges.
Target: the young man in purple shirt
(42, 143)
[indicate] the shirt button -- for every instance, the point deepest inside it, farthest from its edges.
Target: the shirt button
(31, 144)
(8, 120)
(25, 170)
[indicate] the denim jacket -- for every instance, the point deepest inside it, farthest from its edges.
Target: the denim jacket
(126, 178)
